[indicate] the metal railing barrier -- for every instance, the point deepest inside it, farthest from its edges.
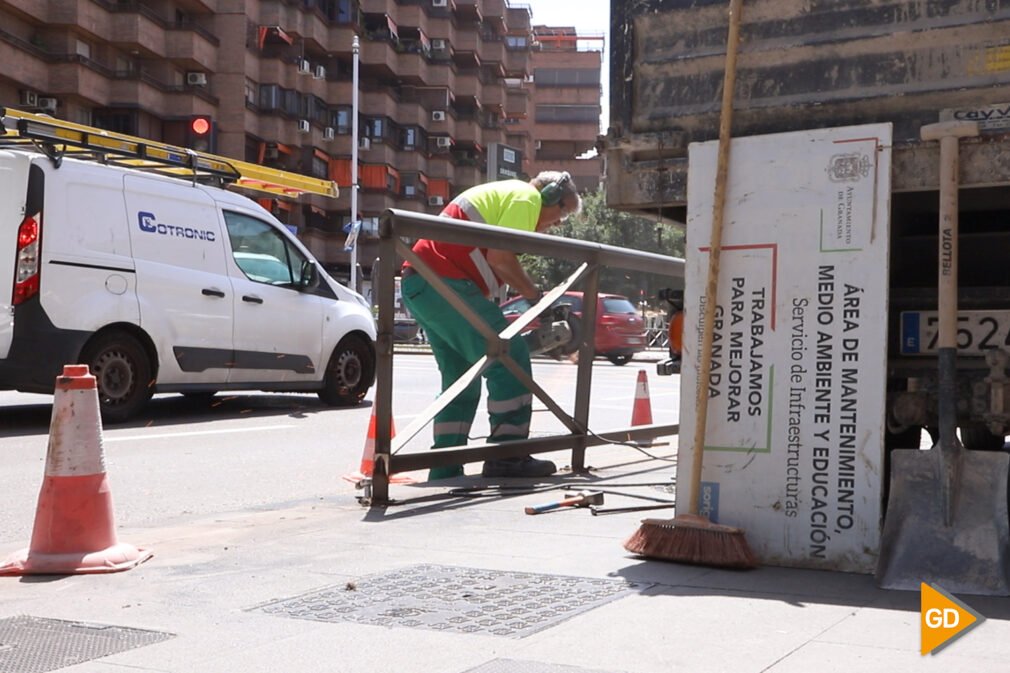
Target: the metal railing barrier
(396, 225)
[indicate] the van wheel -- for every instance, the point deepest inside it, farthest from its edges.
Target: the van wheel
(619, 360)
(349, 373)
(123, 373)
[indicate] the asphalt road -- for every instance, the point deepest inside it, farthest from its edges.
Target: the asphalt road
(260, 451)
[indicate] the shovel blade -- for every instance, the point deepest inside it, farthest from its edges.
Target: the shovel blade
(971, 555)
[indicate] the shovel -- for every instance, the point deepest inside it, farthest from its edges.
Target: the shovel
(947, 511)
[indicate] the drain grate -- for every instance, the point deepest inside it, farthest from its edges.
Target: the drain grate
(517, 666)
(36, 645)
(462, 600)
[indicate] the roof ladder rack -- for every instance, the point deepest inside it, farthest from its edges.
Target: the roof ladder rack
(57, 138)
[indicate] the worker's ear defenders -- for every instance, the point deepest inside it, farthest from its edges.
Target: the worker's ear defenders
(552, 192)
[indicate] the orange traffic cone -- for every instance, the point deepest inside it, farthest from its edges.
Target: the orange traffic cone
(368, 457)
(74, 531)
(641, 413)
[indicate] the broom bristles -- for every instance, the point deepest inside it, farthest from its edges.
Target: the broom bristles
(692, 539)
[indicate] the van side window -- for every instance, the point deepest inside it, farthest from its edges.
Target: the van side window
(261, 252)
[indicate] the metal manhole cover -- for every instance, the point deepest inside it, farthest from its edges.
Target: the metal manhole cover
(35, 645)
(461, 600)
(517, 666)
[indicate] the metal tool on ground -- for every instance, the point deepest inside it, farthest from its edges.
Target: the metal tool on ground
(580, 499)
(558, 335)
(692, 538)
(946, 516)
(630, 508)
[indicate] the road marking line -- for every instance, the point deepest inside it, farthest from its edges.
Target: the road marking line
(196, 433)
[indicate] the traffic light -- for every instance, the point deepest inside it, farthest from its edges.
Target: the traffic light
(200, 133)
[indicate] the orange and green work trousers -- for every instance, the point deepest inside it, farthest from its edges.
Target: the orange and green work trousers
(456, 346)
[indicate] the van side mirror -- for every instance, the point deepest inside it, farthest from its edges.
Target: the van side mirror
(309, 280)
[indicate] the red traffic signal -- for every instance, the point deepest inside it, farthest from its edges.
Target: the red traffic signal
(200, 125)
(200, 133)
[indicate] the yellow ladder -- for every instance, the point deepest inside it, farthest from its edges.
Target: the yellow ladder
(19, 128)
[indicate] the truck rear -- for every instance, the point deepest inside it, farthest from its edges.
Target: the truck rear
(810, 65)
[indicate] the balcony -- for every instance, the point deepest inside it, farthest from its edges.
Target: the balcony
(467, 84)
(379, 54)
(517, 62)
(139, 32)
(67, 13)
(193, 50)
(517, 103)
(493, 94)
(81, 77)
(492, 51)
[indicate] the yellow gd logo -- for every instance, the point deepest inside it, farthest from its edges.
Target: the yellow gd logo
(943, 619)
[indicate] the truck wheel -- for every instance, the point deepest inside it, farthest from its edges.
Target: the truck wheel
(976, 437)
(123, 373)
(349, 373)
(619, 360)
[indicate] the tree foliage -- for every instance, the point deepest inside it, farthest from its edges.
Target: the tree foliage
(601, 224)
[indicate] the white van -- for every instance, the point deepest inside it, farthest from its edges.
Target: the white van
(164, 285)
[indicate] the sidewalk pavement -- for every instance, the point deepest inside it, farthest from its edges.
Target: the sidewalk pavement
(463, 581)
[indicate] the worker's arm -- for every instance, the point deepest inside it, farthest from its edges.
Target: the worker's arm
(506, 265)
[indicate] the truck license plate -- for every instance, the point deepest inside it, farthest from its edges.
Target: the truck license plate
(977, 332)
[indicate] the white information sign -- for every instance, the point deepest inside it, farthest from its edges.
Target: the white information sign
(794, 443)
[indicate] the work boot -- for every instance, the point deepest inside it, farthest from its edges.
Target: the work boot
(447, 472)
(526, 466)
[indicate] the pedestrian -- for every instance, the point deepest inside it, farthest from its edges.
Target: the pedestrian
(476, 274)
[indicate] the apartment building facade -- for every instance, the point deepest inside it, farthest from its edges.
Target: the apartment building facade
(438, 79)
(564, 93)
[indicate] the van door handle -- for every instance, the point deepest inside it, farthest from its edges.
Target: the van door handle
(252, 299)
(212, 292)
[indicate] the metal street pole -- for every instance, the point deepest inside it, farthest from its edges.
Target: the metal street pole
(355, 48)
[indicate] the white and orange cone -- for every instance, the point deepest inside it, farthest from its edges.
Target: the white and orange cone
(75, 529)
(368, 457)
(641, 412)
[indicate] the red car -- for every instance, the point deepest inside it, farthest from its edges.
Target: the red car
(620, 330)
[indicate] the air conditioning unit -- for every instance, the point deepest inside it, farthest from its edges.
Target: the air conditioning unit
(439, 3)
(271, 152)
(328, 133)
(196, 78)
(365, 143)
(438, 44)
(29, 98)
(319, 72)
(303, 126)
(438, 115)
(304, 67)
(443, 141)
(436, 201)
(48, 104)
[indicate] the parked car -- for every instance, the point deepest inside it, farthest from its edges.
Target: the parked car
(620, 330)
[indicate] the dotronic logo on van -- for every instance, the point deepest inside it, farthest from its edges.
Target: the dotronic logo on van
(943, 619)
(149, 223)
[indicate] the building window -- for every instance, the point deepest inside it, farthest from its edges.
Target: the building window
(270, 97)
(320, 166)
(83, 49)
(340, 119)
(375, 128)
(568, 113)
(412, 138)
(564, 77)
(516, 42)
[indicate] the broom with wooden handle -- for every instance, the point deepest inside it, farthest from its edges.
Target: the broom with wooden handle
(692, 538)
